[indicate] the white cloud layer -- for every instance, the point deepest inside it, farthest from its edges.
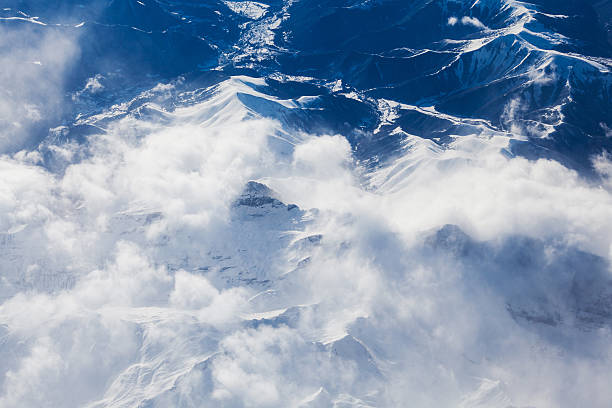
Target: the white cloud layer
(132, 278)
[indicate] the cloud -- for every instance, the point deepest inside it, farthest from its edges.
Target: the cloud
(606, 129)
(467, 21)
(473, 21)
(34, 62)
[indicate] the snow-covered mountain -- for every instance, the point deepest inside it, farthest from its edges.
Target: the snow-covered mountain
(305, 203)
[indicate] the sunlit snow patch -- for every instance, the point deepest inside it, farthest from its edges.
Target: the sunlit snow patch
(248, 9)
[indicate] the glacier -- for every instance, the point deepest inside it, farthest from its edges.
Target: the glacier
(349, 203)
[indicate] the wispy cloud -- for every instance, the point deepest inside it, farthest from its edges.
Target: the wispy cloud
(467, 21)
(34, 62)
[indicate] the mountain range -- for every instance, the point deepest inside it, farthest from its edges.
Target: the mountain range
(348, 203)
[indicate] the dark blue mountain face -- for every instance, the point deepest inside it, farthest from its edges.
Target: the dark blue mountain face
(408, 52)
(418, 53)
